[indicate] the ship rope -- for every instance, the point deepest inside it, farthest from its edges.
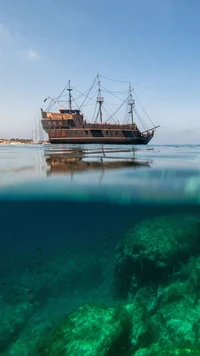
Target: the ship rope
(106, 111)
(117, 109)
(93, 118)
(78, 97)
(110, 92)
(140, 119)
(89, 92)
(74, 101)
(143, 107)
(126, 115)
(82, 95)
(92, 98)
(52, 102)
(123, 81)
(114, 80)
(96, 116)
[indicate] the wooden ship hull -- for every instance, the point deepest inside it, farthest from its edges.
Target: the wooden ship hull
(69, 125)
(64, 131)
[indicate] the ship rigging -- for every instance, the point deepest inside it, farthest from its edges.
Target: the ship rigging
(69, 125)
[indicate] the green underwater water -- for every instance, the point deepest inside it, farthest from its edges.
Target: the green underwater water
(100, 264)
(97, 278)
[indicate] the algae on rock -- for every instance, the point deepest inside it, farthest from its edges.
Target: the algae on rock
(90, 330)
(155, 350)
(156, 268)
(152, 249)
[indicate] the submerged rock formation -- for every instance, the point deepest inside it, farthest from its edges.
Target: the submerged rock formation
(157, 272)
(153, 249)
(90, 330)
(158, 351)
(96, 330)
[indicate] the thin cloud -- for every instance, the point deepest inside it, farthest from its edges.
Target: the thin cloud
(33, 55)
(15, 42)
(3, 30)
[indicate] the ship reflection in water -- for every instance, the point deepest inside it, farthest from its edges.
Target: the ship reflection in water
(70, 161)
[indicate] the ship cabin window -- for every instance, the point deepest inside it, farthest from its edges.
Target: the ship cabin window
(86, 132)
(97, 133)
(128, 133)
(106, 132)
(116, 133)
(67, 111)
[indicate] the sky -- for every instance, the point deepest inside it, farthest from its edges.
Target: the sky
(154, 44)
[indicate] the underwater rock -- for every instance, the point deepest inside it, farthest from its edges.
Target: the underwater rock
(158, 351)
(151, 250)
(96, 330)
(142, 332)
(191, 272)
(177, 319)
(90, 330)
(174, 308)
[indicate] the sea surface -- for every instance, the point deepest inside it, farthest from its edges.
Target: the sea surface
(65, 213)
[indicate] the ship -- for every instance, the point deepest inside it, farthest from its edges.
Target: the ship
(68, 124)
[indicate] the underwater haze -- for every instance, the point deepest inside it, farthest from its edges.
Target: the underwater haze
(100, 250)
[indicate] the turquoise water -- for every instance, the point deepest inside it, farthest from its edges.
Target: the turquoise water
(64, 212)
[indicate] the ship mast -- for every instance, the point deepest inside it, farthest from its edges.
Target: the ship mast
(70, 96)
(100, 100)
(131, 103)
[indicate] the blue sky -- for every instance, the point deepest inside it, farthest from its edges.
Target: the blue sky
(153, 43)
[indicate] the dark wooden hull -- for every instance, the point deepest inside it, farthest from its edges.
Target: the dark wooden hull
(77, 132)
(100, 140)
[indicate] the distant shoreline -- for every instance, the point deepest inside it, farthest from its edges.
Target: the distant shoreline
(20, 141)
